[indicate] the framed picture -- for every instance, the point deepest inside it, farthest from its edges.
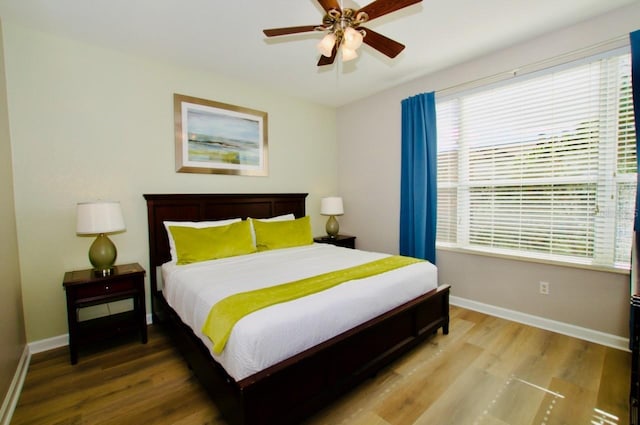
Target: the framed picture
(217, 138)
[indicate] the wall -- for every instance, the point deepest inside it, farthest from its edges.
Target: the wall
(12, 330)
(369, 180)
(91, 123)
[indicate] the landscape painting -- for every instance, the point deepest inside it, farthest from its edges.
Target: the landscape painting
(218, 138)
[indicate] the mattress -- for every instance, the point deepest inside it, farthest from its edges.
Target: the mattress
(268, 336)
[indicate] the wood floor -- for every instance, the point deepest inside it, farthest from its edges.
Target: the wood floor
(487, 371)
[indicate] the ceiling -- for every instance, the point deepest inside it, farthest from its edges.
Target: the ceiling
(226, 37)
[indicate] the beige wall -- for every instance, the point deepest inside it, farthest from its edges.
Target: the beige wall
(12, 332)
(89, 123)
(369, 181)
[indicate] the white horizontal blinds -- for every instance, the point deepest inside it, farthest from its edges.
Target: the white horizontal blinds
(626, 195)
(626, 163)
(447, 126)
(625, 176)
(537, 161)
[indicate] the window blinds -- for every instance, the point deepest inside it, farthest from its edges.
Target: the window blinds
(543, 166)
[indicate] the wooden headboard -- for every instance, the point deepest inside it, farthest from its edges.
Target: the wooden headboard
(200, 207)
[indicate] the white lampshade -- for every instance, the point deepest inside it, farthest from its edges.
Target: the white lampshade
(325, 46)
(331, 206)
(352, 39)
(348, 54)
(99, 217)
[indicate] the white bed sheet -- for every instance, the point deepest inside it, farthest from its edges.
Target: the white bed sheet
(275, 333)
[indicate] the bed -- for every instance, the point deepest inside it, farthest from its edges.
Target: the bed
(296, 386)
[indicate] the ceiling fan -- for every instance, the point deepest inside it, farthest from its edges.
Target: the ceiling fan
(344, 29)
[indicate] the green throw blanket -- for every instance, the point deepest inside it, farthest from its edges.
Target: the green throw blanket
(226, 313)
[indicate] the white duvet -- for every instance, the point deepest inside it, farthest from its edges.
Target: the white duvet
(275, 333)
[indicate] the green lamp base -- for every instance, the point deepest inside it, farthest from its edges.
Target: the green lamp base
(332, 226)
(102, 255)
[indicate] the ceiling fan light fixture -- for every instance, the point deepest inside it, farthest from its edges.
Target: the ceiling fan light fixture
(348, 54)
(343, 30)
(325, 46)
(352, 39)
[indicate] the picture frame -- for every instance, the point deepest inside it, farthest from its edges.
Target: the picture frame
(218, 138)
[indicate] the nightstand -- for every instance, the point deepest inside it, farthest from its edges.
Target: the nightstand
(84, 289)
(345, 241)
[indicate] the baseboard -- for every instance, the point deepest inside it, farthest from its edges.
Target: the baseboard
(13, 395)
(586, 334)
(59, 341)
(49, 344)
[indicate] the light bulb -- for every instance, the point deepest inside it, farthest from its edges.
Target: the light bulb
(348, 54)
(325, 46)
(352, 38)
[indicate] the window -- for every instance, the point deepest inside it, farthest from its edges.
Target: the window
(542, 166)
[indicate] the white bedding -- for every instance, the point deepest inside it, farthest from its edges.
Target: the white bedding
(270, 335)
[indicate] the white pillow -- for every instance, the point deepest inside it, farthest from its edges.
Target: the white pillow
(197, 225)
(284, 217)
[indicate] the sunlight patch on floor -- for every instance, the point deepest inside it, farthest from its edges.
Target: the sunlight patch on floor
(495, 407)
(600, 417)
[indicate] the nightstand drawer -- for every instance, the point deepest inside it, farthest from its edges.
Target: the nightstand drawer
(105, 288)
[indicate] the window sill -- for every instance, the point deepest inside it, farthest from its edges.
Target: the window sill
(493, 254)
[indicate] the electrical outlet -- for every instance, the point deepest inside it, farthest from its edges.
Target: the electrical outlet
(544, 288)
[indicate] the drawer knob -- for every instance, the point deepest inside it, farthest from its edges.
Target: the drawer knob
(106, 287)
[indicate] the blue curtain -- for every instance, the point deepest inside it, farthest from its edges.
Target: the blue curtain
(418, 196)
(635, 81)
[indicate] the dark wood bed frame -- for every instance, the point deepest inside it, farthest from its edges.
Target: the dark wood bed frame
(293, 389)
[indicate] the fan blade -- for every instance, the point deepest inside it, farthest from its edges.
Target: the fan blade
(274, 32)
(327, 5)
(381, 43)
(382, 7)
(328, 61)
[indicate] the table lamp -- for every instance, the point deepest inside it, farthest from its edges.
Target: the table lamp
(332, 206)
(99, 218)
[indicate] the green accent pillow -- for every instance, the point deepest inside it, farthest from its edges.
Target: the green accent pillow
(282, 234)
(210, 243)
